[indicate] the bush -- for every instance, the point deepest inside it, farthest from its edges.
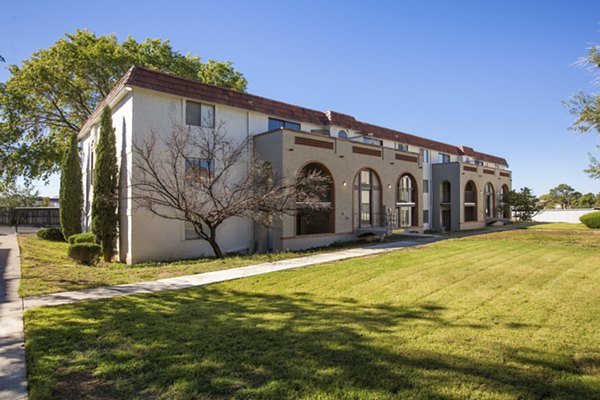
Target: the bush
(86, 237)
(591, 220)
(85, 253)
(54, 234)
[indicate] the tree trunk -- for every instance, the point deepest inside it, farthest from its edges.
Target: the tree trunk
(215, 246)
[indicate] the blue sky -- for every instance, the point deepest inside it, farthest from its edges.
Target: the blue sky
(489, 75)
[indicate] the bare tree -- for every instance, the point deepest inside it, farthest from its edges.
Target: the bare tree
(204, 177)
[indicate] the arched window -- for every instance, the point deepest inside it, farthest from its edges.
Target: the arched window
(343, 134)
(406, 201)
(470, 202)
(490, 200)
(367, 198)
(310, 221)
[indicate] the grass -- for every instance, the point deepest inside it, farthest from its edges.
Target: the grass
(45, 267)
(509, 315)
(563, 226)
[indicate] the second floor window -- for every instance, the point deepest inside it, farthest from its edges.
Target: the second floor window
(443, 158)
(401, 146)
(279, 123)
(425, 156)
(199, 114)
(198, 170)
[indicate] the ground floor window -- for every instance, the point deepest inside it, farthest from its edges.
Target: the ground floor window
(425, 216)
(310, 222)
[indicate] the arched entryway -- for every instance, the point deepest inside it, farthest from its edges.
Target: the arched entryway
(367, 199)
(489, 200)
(310, 221)
(407, 201)
(470, 202)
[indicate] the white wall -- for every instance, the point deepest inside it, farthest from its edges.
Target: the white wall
(571, 215)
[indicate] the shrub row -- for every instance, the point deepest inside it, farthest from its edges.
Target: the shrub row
(591, 220)
(54, 234)
(85, 253)
(86, 237)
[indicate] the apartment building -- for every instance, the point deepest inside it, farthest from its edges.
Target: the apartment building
(382, 180)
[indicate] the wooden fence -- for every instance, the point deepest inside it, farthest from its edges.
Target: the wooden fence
(30, 216)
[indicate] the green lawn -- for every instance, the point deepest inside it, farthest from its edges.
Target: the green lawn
(511, 315)
(45, 267)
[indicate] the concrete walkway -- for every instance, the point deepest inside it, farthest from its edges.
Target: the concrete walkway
(13, 383)
(189, 281)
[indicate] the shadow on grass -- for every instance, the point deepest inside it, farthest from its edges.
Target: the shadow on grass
(208, 343)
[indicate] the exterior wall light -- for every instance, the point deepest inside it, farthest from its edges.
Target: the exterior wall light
(344, 183)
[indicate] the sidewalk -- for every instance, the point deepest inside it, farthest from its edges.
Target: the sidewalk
(189, 281)
(13, 383)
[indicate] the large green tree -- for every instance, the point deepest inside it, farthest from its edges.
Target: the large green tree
(586, 108)
(104, 202)
(71, 191)
(523, 203)
(52, 93)
(12, 195)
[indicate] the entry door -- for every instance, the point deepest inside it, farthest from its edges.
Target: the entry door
(446, 220)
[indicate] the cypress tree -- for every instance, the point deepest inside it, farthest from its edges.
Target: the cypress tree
(71, 191)
(104, 204)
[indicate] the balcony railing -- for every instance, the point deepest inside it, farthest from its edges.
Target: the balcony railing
(371, 220)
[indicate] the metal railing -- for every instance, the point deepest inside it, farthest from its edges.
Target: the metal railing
(370, 220)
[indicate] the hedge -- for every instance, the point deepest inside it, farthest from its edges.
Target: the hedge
(86, 237)
(85, 253)
(591, 220)
(54, 234)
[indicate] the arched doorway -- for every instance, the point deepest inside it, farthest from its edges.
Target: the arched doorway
(367, 199)
(308, 221)
(406, 201)
(470, 206)
(504, 205)
(445, 206)
(490, 200)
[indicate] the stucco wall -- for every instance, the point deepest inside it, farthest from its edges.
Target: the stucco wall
(571, 215)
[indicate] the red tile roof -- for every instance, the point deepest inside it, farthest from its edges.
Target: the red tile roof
(165, 83)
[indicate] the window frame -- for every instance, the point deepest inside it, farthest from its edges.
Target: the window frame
(202, 106)
(284, 124)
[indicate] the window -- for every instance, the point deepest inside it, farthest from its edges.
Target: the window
(370, 140)
(406, 201)
(425, 216)
(401, 146)
(478, 162)
(279, 123)
(343, 134)
(425, 186)
(199, 114)
(190, 232)
(470, 202)
(310, 221)
(443, 158)
(198, 170)
(425, 156)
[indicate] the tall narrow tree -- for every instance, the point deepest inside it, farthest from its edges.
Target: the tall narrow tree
(104, 204)
(71, 191)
